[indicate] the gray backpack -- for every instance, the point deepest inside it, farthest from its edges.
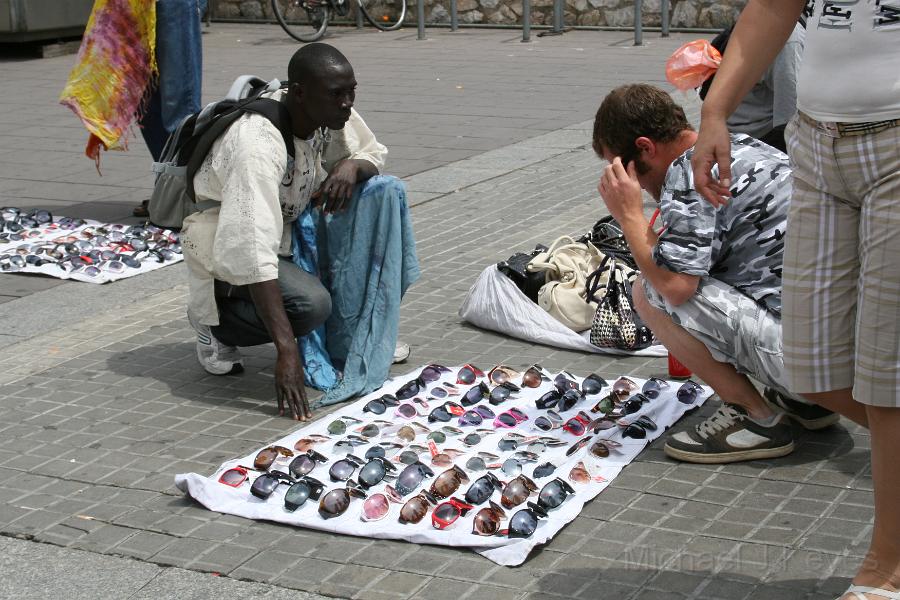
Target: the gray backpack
(173, 196)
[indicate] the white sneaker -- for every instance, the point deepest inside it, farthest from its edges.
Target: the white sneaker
(214, 356)
(401, 352)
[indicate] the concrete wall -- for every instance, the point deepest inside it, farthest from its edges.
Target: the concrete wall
(714, 14)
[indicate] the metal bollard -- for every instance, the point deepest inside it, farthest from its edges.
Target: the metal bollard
(454, 16)
(359, 16)
(526, 20)
(558, 16)
(664, 6)
(638, 26)
(420, 18)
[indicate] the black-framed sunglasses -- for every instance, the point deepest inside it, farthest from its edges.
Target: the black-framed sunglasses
(689, 391)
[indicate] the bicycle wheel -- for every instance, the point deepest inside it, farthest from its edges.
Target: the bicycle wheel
(386, 15)
(302, 20)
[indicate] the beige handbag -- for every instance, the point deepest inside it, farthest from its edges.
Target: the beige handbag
(566, 265)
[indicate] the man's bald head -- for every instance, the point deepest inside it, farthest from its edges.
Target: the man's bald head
(312, 61)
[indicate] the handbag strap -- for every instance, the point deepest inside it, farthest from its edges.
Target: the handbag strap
(592, 284)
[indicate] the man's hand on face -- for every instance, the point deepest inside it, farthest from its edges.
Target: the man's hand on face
(289, 386)
(621, 192)
(338, 188)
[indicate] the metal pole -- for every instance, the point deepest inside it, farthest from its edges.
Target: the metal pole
(558, 16)
(359, 16)
(420, 18)
(454, 17)
(638, 31)
(664, 5)
(526, 20)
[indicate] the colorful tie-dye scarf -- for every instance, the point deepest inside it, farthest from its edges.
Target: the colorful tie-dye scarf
(109, 85)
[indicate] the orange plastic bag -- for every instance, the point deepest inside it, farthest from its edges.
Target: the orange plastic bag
(692, 64)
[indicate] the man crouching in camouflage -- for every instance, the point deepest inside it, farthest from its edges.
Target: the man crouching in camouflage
(710, 286)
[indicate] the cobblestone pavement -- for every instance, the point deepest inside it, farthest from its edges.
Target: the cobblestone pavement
(100, 411)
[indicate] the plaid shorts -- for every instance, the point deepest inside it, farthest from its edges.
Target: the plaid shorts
(841, 284)
(734, 328)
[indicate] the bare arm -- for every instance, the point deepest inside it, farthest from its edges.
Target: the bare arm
(338, 187)
(289, 385)
(761, 31)
(621, 192)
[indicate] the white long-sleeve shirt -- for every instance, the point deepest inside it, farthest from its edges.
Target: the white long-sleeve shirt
(240, 240)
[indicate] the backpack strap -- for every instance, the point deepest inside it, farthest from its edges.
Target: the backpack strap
(274, 111)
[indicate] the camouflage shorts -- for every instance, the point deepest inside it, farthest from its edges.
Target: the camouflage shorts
(734, 328)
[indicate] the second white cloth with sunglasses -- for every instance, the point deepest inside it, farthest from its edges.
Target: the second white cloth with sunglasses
(664, 411)
(494, 302)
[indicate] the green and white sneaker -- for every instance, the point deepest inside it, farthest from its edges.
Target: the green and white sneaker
(810, 416)
(730, 435)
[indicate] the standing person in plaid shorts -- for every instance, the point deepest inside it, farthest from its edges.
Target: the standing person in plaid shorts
(841, 281)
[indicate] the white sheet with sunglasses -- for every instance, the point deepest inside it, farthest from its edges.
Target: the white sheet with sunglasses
(664, 410)
(494, 302)
(50, 235)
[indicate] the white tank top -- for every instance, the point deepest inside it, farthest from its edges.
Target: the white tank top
(851, 64)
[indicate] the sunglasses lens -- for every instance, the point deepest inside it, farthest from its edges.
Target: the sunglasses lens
(408, 457)
(439, 392)
(545, 470)
(687, 393)
(373, 406)
(334, 503)
(485, 412)
(407, 411)
(472, 439)
(375, 452)
(466, 375)
(430, 374)
(543, 423)
(264, 485)
(296, 496)
(375, 507)
(574, 427)
(372, 473)
(446, 512)
(439, 437)
(512, 467)
(413, 511)
(369, 431)
(337, 427)
(264, 459)
(635, 431)
(600, 450)
(475, 463)
(470, 418)
(507, 444)
(507, 420)
(499, 394)
(552, 495)
(233, 477)
(341, 470)
(301, 465)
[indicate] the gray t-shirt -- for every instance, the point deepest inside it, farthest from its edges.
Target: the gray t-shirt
(741, 244)
(773, 100)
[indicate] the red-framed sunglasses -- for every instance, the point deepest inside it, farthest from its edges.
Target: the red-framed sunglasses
(446, 513)
(467, 374)
(234, 476)
(577, 425)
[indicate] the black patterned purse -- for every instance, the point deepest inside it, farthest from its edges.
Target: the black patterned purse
(616, 324)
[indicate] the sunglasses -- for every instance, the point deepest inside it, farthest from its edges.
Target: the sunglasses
(502, 392)
(266, 456)
(382, 450)
(638, 430)
(415, 509)
(411, 477)
(467, 374)
(380, 405)
(446, 484)
(305, 444)
(407, 411)
(477, 463)
(339, 425)
(445, 458)
(482, 489)
(447, 513)
(689, 392)
(653, 387)
(554, 493)
(550, 420)
(444, 390)
(377, 506)
(374, 471)
(577, 425)
(544, 470)
(297, 495)
(602, 448)
(476, 416)
(593, 384)
(433, 372)
(304, 463)
(510, 418)
(634, 404)
(502, 374)
(263, 486)
(487, 521)
(337, 501)
(234, 476)
(445, 412)
(565, 381)
(343, 469)
(607, 405)
(411, 388)
(548, 400)
(524, 522)
(476, 394)
(624, 387)
(534, 376)
(517, 491)
(569, 399)
(580, 474)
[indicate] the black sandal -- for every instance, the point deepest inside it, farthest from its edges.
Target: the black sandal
(142, 210)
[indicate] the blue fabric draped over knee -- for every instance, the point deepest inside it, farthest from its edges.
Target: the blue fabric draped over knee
(366, 258)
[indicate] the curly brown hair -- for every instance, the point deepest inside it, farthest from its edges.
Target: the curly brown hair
(632, 111)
